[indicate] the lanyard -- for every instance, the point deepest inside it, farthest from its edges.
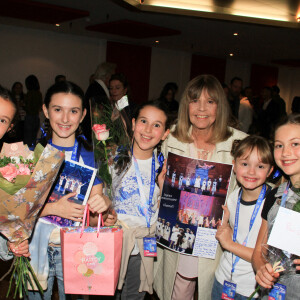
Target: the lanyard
(285, 194)
(253, 217)
(75, 152)
(145, 207)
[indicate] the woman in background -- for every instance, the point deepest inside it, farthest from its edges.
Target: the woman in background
(33, 106)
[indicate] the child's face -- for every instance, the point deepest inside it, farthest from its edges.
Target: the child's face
(7, 113)
(149, 130)
(250, 172)
(287, 150)
(65, 114)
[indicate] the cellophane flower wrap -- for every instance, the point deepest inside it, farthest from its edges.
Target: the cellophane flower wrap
(23, 196)
(111, 141)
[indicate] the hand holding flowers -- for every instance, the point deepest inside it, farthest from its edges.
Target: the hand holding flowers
(18, 250)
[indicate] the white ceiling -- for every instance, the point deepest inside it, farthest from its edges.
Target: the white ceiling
(201, 32)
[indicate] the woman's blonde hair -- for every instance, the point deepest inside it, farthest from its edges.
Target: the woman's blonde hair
(194, 89)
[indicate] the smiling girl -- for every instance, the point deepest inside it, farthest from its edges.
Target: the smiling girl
(63, 106)
(287, 158)
(8, 110)
(237, 235)
(137, 200)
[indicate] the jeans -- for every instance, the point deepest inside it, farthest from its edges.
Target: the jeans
(55, 270)
(216, 293)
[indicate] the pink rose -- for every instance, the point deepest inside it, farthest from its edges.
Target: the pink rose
(101, 132)
(9, 172)
(23, 170)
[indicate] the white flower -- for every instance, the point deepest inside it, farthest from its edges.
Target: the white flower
(101, 132)
(39, 176)
(37, 194)
(16, 159)
(46, 153)
(12, 217)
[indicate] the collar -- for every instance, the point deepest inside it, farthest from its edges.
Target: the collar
(103, 86)
(226, 145)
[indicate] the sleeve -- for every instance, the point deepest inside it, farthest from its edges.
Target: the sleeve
(4, 254)
(270, 200)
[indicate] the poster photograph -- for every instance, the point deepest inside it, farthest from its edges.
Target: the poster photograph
(74, 178)
(191, 205)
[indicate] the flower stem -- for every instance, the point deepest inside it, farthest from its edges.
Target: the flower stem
(108, 173)
(252, 295)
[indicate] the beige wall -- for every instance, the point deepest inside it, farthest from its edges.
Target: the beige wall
(46, 54)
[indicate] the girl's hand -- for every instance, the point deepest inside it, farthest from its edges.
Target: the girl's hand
(161, 177)
(66, 209)
(265, 276)
(111, 218)
(99, 203)
(19, 250)
(224, 232)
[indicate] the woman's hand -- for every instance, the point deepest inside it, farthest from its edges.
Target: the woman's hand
(265, 276)
(224, 232)
(66, 209)
(98, 203)
(19, 250)
(111, 218)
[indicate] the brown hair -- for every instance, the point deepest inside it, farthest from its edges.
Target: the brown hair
(251, 142)
(194, 89)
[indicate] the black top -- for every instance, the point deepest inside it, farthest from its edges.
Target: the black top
(270, 200)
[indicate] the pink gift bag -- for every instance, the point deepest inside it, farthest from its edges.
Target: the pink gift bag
(91, 258)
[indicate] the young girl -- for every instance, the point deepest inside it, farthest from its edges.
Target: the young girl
(252, 165)
(287, 158)
(137, 200)
(8, 110)
(63, 106)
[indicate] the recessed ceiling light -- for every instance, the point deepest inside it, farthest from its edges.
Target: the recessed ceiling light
(57, 25)
(230, 54)
(236, 33)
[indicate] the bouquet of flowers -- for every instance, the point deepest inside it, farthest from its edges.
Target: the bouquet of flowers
(26, 178)
(111, 143)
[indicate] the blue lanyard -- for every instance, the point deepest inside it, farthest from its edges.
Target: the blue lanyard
(285, 194)
(253, 217)
(75, 152)
(145, 208)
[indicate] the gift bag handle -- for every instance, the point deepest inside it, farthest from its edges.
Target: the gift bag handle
(86, 217)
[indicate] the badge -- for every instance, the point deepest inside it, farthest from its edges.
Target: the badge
(229, 290)
(277, 292)
(150, 248)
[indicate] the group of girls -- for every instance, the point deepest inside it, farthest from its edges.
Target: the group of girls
(137, 200)
(63, 107)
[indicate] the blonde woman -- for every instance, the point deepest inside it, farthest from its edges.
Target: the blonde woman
(202, 132)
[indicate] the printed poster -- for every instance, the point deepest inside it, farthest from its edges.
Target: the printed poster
(74, 177)
(191, 205)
